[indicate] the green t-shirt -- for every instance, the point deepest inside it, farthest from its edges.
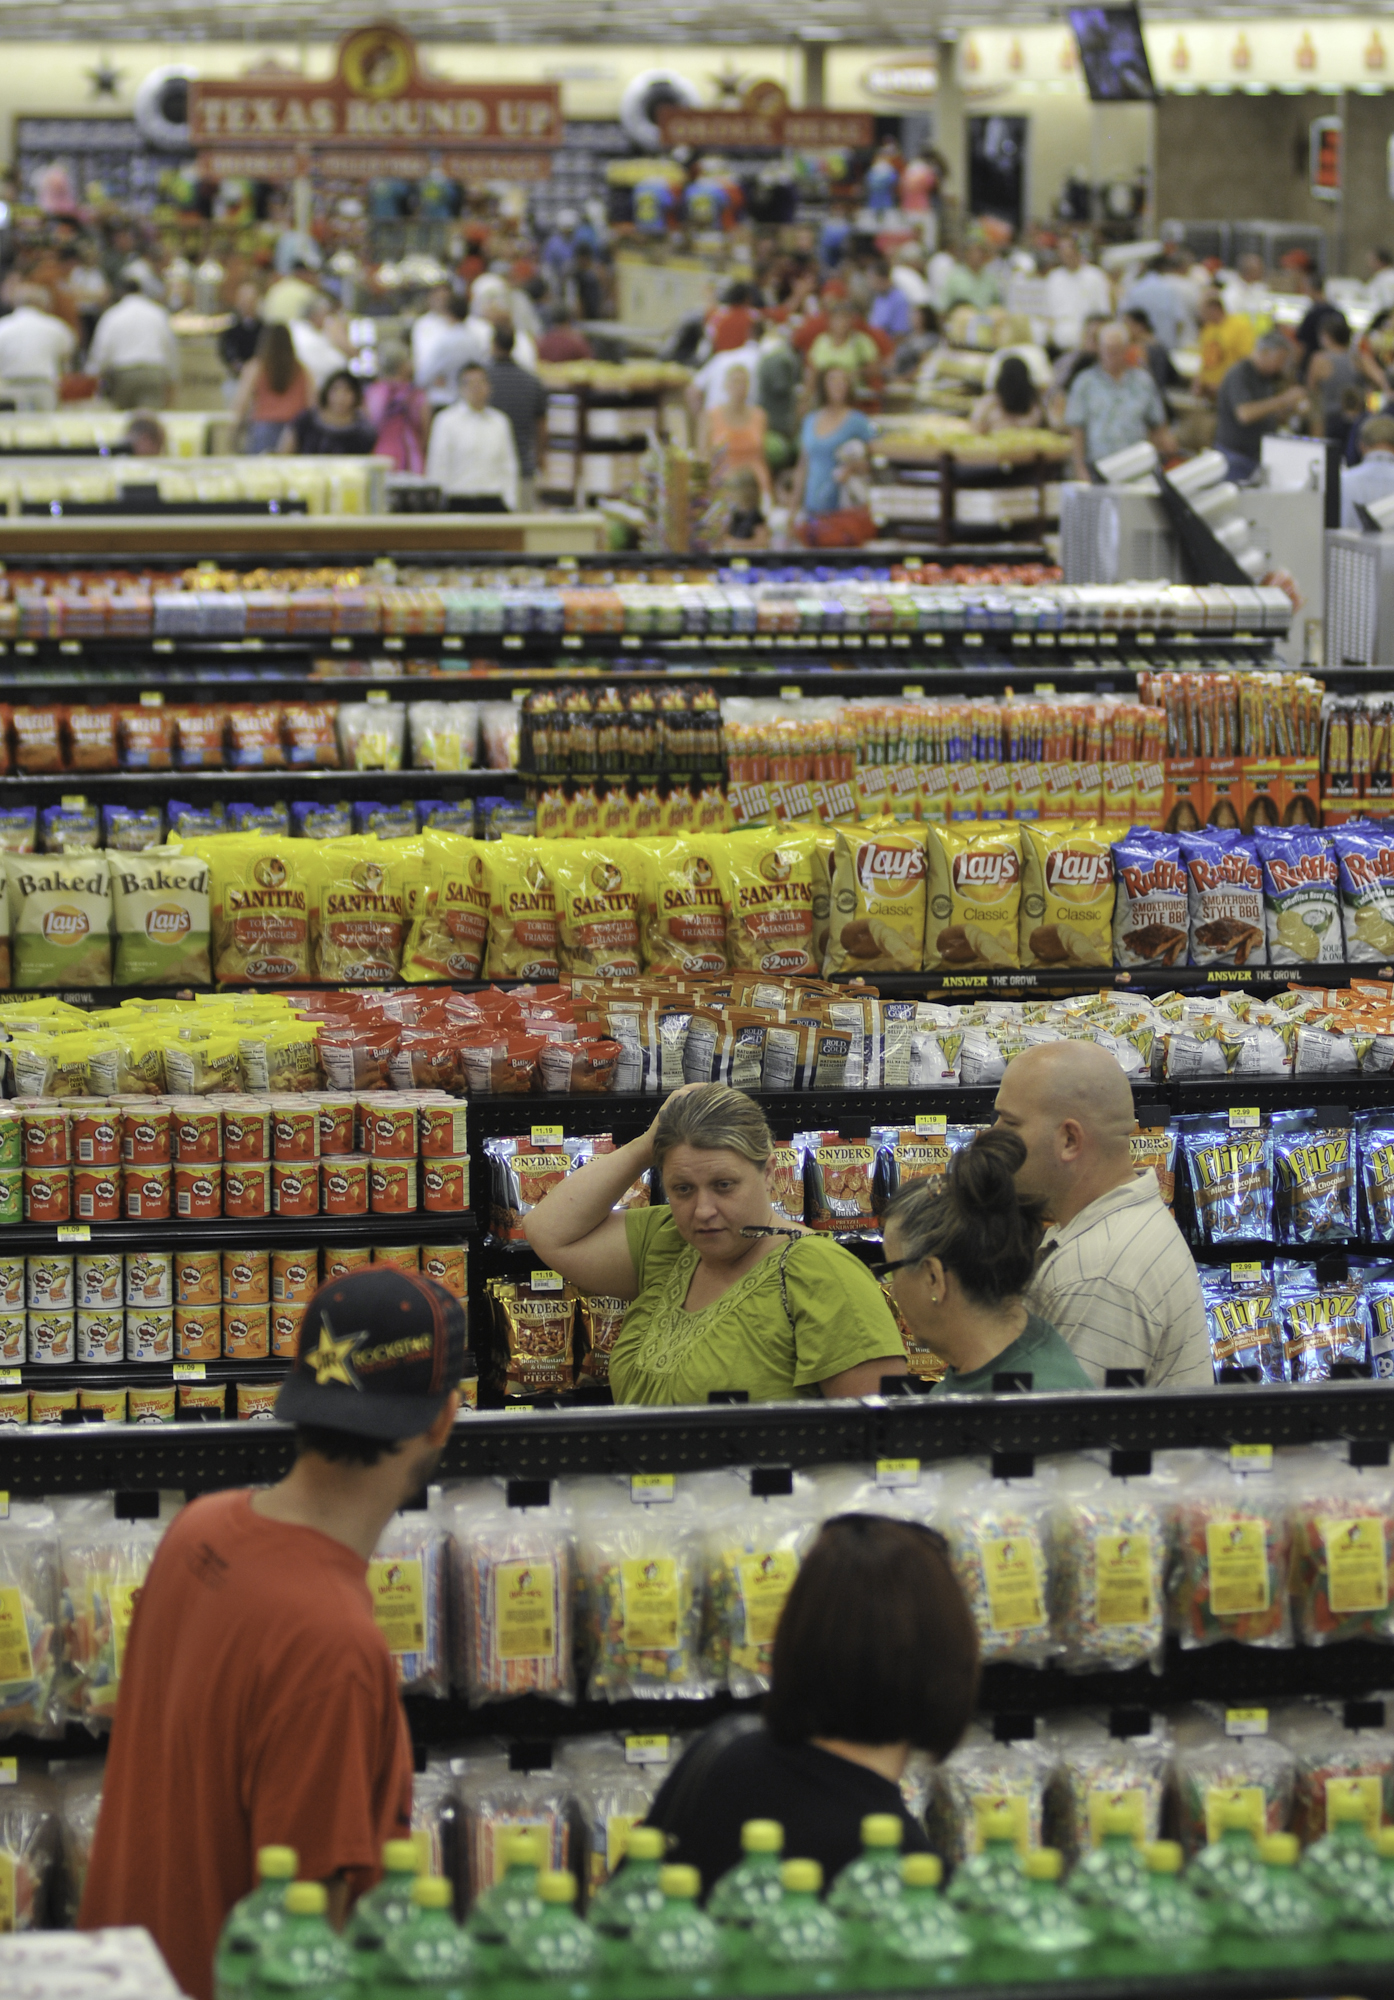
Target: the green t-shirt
(1038, 1351)
(744, 1341)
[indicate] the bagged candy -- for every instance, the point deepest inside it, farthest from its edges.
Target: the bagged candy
(161, 909)
(496, 1801)
(1343, 1552)
(1097, 1774)
(1225, 899)
(1234, 1546)
(1215, 1774)
(756, 1543)
(1365, 875)
(879, 891)
(999, 1545)
(612, 1795)
(1347, 1760)
(1066, 895)
(29, 1853)
(1109, 1542)
(983, 1776)
(1299, 895)
(642, 1571)
(974, 897)
(29, 1618)
(513, 1569)
(1150, 921)
(407, 1585)
(105, 1562)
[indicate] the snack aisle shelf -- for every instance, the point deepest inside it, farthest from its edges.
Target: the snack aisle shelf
(269, 1232)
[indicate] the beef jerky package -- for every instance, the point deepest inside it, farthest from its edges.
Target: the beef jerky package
(1365, 875)
(1321, 1327)
(1225, 899)
(521, 1173)
(1374, 1138)
(1313, 1175)
(1149, 909)
(1299, 895)
(839, 1176)
(1244, 1322)
(1229, 1179)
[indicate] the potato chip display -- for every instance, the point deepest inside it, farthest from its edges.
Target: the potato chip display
(1365, 873)
(261, 893)
(1066, 895)
(1149, 910)
(1225, 899)
(1299, 895)
(879, 893)
(60, 906)
(161, 908)
(974, 897)
(450, 925)
(687, 903)
(598, 897)
(361, 891)
(772, 899)
(522, 912)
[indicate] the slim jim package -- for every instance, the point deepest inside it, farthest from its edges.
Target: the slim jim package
(974, 897)
(877, 922)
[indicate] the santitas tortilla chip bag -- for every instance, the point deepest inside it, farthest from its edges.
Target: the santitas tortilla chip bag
(360, 913)
(687, 901)
(598, 897)
(450, 927)
(772, 900)
(879, 897)
(1066, 895)
(522, 912)
(160, 899)
(60, 905)
(261, 908)
(974, 897)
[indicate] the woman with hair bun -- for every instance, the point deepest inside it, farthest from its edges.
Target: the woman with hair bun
(960, 1253)
(725, 1295)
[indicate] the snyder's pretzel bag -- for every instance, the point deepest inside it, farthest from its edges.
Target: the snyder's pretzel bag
(687, 903)
(1365, 872)
(974, 897)
(772, 900)
(262, 897)
(839, 1180)
(878, 900)
(1314, 1181)
(450, 927)
(1066, 895)
(522, 912)
(1149, 908)
(1299, 895)
(598, 893)
(60, 908)
(361, 898)
(1224, 898)
(160, 901)
(521, 1173)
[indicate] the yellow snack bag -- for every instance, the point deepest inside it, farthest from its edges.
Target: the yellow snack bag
(60, 908)
(280, 1055)
(131, 1060)
(261, 908)
(687, 903)
(974, 897)
(711, 810)
(1066, 895)
(1028, 790)
(160, 900)
(194, 1069)
(965, 791)
(615, 818)
(1087, 798)
(582, 814)
(361, 922)
(522, 911)
(450, 929)
(679, 812)
(878, 901)
(772, 899)
(598, 896)
(824, 843)
(550, 813)
(934, 791)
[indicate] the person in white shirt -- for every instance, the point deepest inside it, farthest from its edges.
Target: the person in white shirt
(464, 339)
(1114, 1274)
(707, 389)
(1379, 286)
(907, 275)
(134, 352)
(1246, 290)
(471, 455)
(1373, 478)
(317, 354)
(35, 348)
(433, 322)
(1075, 291)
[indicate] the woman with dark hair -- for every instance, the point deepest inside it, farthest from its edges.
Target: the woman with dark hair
(272, 391)
(875, 1655)
(1013, 403)
(832, 423)
(337, 427)
(960, 1253)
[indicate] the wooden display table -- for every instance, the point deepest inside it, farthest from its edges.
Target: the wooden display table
(332, 534)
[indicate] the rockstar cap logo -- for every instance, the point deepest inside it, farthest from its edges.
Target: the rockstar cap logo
(330, 1360)
(393, 1338)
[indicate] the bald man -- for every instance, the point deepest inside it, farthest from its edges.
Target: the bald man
(1114, 1276)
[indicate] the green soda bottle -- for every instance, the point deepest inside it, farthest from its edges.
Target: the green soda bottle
(988, 1882)
(1223, 1867)
(800, 1946)
(303, 1956)
(1116, 1864)
(383, 1909)
(1344, 1854)
(428, 1957)
(747, 1892)
(501, 1911)
(632, 1891)
(1274, 1919)
(869, 1887)
(251, 1921)
(1157, 1925)
(921, 1940)
(677, 1953)
(552, 1956)
(1363, 1926)
(1046, 1935)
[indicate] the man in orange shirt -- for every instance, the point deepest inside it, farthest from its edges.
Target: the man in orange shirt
(258, 1699)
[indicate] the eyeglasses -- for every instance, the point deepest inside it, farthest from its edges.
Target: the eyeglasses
(888, 1267)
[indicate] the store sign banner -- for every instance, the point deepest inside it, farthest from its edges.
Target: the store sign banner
(377, 97)
(763, 121)
(338, 164)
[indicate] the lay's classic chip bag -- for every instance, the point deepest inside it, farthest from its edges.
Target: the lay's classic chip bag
(878, 902)
(598, 895)
(160, 900)
(1066, 895)
(772, 900)
(60, 906)
(1365, 867)
(450, 926)
(522, 911)
(1299, 895)
(974, 897)
(687, 903)
(261, 891)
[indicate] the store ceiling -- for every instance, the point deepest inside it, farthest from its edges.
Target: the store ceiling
(908, 22)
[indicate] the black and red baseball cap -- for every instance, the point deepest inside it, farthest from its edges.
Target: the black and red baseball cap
(380, 1350)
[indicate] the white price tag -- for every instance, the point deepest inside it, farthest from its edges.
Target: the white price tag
(1251, 1458)
(74, 1232)
(10, 1378)
(930, 1125)
(1243, 1118)
(546, 1135)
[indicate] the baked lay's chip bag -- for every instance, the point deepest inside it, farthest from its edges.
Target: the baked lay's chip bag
(522, 911)
(60, 908)
(598, 896)
(974, 897)
(1066, 895)
(772, 900)
(687, 902)
(261, 891)
(360, 915)
(878, 899)
(161, 907)
(450, 926)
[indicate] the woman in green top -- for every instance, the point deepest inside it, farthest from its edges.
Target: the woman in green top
(960, 1253)
(724, 1296)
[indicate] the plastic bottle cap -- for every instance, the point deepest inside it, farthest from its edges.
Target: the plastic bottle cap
(1043, 1864)
(679, 1883)
(557, 1885)
(401, 1857)
(1117, 1820)
(307, 1899)
(1384, 1843)
(882, 1830)
(922, 1871)
(762, 1836)
(277, 1864)
(802, 1878)
(1235, 1817)
(645, 1843)
(999, 1824)
(523, 1848)
(1164, 1857)
(432, 1892)
(1342, 1812)
(1279, 1850)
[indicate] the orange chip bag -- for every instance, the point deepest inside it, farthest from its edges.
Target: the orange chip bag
(254, 732)
(311, 740)
(198, 737)
(38, 739)
(92, 739)
(146, 739)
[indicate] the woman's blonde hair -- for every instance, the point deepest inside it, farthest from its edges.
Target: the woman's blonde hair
(714, 1119)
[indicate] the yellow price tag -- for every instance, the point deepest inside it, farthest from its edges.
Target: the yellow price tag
(10, 1378)
(74, 1232)
(73, 801)
(4, 1506)
(897, 1472)
(151, 698)
(930, 1125)
(648, 1489)
(9, 1770)
(1246, 1722)
(190, 1371)
(1243, 1118)
(1242, 1273)
(911, 690)
(546, 1281)
(546, 1135)
(791, 694)
(1251, 1457)
(646, 1749)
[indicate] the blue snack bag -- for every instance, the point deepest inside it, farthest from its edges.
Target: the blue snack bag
(1365, 877)
(1244, 1323)
(245, 818)
(1224, 897)
(188, 822)
(19, 829)
(1229, 1179)
(310, 819)
(447, 816)
(1150, 917)
(389, 822)
(132, 828)
(64, 829)
(1314, 1176)
(1301, 911)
